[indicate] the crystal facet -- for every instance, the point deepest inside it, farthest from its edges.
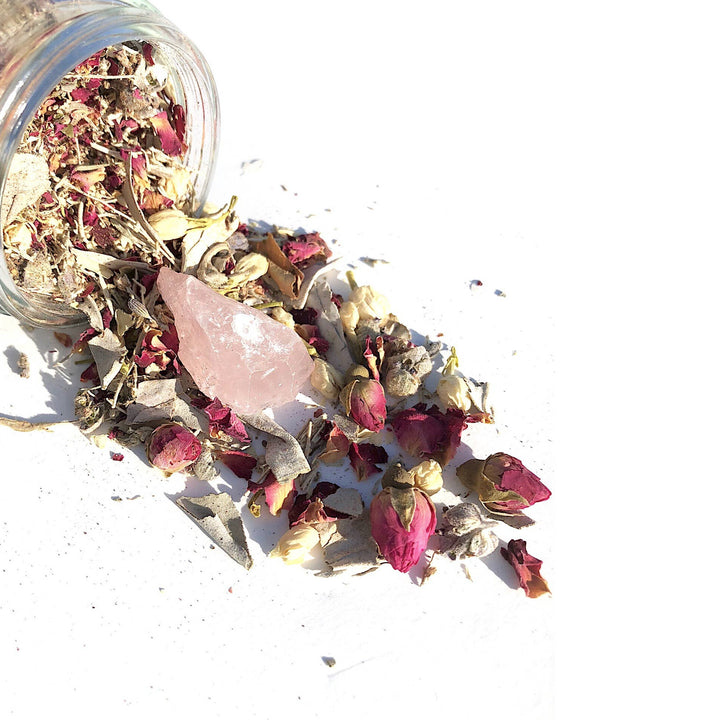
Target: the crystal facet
(233, 352)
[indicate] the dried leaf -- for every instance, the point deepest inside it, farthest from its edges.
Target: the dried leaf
(217, 516)
(330, 326)
(157, 400)
(283, 453)
(108, 353)
(352, 545)
(28, 178)
(346, 501)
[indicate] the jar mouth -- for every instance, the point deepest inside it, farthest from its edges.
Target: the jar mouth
(58, 54)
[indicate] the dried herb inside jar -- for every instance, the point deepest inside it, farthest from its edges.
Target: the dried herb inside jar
(104, 151)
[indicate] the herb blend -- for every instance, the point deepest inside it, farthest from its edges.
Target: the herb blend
(198, 325)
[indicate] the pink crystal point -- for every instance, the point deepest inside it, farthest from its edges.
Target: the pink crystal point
(232, 351)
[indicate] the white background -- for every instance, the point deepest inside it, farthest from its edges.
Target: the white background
(563, 154)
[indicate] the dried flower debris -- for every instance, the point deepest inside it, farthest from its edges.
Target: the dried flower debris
(105, 218)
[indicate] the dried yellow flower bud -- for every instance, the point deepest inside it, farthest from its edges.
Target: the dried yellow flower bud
(369, 303)
(250, 267)
(427, 476)
(169, 224)
(349, 315)
(326, 379)
(294, 546)
(282, 316)
(454, 392)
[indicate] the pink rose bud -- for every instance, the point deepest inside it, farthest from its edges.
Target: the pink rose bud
(172, 447)
(364, 402)
(507, 473)
(401, 522)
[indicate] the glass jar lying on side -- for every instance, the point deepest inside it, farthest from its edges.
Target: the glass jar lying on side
(165, 126)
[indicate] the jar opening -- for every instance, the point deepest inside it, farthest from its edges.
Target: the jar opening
(128, 131)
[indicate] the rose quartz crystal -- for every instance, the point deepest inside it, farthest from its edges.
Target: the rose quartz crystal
(232, 351)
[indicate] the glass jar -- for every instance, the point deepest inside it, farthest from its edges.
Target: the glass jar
(43, 40)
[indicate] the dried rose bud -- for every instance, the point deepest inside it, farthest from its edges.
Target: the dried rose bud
(249, 267)
(427, 476)
(349, 315)
(294, 546)
(401, 522)
(282, 316)
(172, 447)
(364, 402)
(405, 370)
(398, 477)
(169, 224)
(454, 392)
(526, 567)
(354, 372)
(326, 379)
(369, 302)
(502, 483)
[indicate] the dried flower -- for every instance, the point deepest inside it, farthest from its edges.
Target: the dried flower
(326, 379)
(278, 495)
(465, 532)
(337, 447)
(398, 477)
(430, 433)
(282, 316)
(364, 303)
(526, 567)
(172, 447)
(364, 402)
(405, 370)
(294, 546)
(427, 476)
(452, 389)
(363, 457)
(306, 249)
(502, 483)
(222, 420)
(169, 224)
(248, 268)
(402, 521)
(241, 463)
(369, 302)
(453, 392)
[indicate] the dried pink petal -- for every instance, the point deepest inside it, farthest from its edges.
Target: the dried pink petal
(306, 249)
(169, 140)
(363, 457)
(430, 433)
(278, 496)
(241, 463)
(526, 567)
(222, 419)
(337, 447)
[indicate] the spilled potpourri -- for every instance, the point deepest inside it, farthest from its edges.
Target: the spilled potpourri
(182, 313)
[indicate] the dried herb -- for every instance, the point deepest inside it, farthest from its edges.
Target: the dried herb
(97, 216)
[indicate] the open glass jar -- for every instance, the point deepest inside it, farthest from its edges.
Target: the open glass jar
(41, 41)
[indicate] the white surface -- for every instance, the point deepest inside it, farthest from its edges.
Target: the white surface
(540, 149)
